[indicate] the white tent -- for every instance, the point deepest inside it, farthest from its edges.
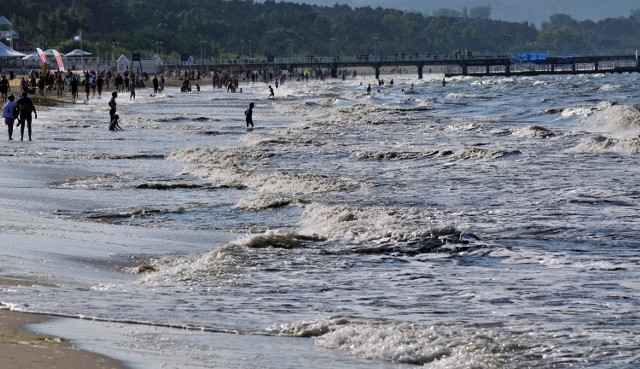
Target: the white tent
(4, 21)
(7, 52)
(31, 57)
(78, 52)
(122, 64)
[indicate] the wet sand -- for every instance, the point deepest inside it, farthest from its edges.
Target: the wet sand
(21, 348)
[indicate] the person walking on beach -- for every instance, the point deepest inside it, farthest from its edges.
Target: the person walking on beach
(271, 93)
(9, 114)
(4, 88)
(155, 84)
(25, 104)
(74, 88)
(87, 87)
(99, 84)
(132, 89)
(249, 115)
(60, 84)
(112, 106)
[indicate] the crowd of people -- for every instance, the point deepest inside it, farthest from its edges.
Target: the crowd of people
(92, 83)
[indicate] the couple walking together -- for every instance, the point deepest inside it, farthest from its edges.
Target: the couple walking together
(21, 110)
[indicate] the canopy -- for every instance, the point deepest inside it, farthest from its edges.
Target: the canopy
(78, 52)
(31, 57)
(4, 21)
(7, 52)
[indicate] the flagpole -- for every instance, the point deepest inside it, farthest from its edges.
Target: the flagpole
(81, 60)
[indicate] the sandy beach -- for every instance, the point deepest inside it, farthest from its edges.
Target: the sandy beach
(21, 348)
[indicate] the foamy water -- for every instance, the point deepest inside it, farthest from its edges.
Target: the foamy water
(491, 223)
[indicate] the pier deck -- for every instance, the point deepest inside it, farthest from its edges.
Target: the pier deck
(453, 65)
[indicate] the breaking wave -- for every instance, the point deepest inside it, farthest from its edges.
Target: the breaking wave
(435, 346)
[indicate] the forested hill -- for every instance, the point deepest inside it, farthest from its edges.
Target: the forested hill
(230, 28)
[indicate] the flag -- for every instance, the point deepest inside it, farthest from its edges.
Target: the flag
(42, 55)
(77, 38)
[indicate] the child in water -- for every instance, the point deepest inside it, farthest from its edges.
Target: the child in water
(114, 126)
(249, 116)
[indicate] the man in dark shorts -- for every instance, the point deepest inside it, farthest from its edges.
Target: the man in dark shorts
(4, 88)
(26, 108)
(249, 115)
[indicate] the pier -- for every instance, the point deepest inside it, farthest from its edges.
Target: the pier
(521, 64)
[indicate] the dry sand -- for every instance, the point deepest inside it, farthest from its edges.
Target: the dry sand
(23, 349)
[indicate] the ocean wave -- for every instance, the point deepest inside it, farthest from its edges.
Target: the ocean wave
(477, 153)
(218, 157)
(437, 346)
(119, 216)
(184, 118)
(227, 264)
(599, 144)
(264, 202)
(620, 121)
(459, 96)
(227, 168)
(124, 181)
(120, 157)
(535, 132)
(395, 232)
(394, 155)
(464, 154)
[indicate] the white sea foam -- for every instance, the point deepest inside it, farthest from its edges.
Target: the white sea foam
(428, 346)
(618, 121)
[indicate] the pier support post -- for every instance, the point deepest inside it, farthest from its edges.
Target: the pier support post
(465, 71)
(595, 65)
(420, 71)
(377, 72)
(487, 70)
(507, 70)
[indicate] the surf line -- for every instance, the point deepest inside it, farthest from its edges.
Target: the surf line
(186, 327)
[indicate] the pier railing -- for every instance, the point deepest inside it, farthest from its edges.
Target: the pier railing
(366, 60)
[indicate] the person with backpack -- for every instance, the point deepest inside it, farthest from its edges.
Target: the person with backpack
(9, 111)
(25, 104)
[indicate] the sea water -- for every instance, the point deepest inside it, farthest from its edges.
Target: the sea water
(488, 223)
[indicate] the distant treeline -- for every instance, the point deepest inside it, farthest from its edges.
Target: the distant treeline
(231, 28)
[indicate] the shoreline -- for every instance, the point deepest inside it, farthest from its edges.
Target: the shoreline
(23, 348)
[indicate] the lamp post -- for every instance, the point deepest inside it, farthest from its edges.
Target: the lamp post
(250, 49)
(290, 41)
(375, 46)
(113, 47)
(202, 54)
(242, 48)
(332, 40)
